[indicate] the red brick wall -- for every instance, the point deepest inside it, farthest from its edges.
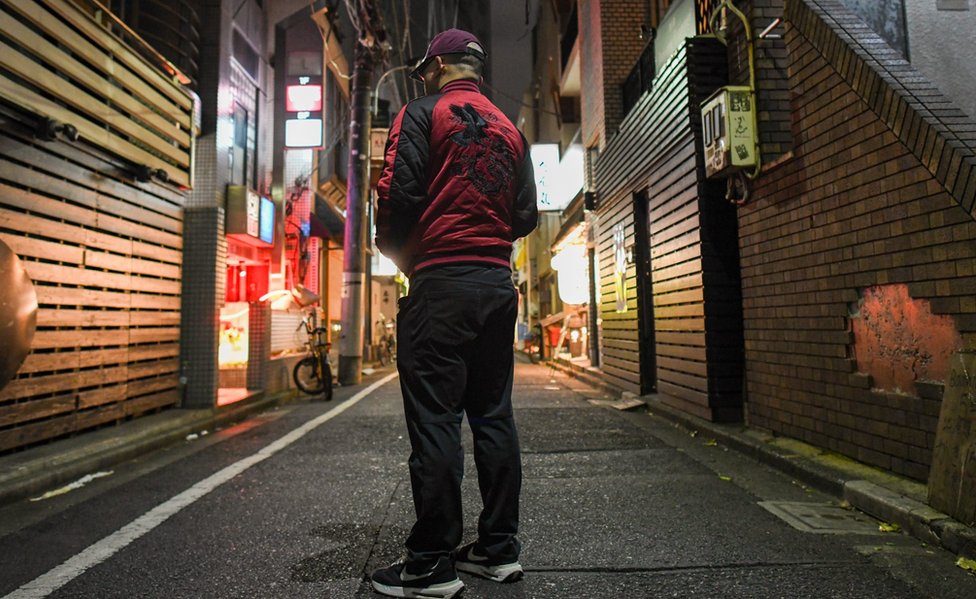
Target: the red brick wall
(772, 88)
(610, 44)
(620, 21)
(853, 209)
(591, 73)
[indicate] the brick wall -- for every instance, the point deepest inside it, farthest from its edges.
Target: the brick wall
(648, 179)
(772, 89)
(620, 23)
(861, 204)
(591, 73)
(610, 46)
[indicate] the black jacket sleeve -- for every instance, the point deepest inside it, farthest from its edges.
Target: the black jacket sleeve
(402, 188)
(525, 213)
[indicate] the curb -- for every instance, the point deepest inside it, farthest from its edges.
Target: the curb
(34, 471)
(880, 494)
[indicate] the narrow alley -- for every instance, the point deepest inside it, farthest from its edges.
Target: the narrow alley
(306, 499)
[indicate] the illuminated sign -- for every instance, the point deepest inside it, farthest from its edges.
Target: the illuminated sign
(267, 219)
(250, 217)
(545, 159)
(253, 213)
(303, 98)
(303, 133)
(619, 268)
(573, 279)
(558, 180)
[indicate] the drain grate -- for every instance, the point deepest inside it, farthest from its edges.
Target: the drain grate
(822, 518)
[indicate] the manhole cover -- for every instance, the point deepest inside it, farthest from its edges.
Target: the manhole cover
(821, 518)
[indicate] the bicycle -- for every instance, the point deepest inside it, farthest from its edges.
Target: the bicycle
(313, 373)
(387, 350)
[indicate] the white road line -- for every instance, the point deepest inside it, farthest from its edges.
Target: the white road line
(44, 585)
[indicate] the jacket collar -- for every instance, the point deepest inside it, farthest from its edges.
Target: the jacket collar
(461, 85)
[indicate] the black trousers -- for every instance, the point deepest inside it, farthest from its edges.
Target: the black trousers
(455, 333)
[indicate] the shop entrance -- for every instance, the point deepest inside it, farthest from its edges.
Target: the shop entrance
(248, 271)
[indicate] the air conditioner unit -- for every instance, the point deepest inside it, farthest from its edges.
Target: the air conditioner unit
(729, 131)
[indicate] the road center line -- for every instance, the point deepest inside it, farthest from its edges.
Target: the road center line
(94, 554)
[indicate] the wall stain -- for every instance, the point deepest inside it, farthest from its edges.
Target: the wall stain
(898, 341)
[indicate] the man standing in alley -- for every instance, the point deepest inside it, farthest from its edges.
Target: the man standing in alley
(456, 189)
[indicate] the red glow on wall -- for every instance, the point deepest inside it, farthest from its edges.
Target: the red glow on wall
(247, 282)
(227, 396)
(897, 339)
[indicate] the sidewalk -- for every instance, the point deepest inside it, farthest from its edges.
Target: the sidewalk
(37, 470)
(885, 496)
(34, 471)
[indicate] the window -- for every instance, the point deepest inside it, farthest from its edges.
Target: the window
(640, 79)
(239, 153)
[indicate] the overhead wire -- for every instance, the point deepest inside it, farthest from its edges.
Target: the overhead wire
(520, 101)
(325, 45)
(398, 97)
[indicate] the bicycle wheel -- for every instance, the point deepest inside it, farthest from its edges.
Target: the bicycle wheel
(308, 377)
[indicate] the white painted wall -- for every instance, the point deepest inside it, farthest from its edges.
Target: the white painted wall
(942, 45)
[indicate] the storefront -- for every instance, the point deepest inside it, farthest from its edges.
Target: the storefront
(250, 230)
(568, 331)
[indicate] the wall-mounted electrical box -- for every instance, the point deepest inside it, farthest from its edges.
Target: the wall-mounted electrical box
(729, 131)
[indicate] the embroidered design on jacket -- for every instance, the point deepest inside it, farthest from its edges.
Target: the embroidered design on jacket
(484, 160)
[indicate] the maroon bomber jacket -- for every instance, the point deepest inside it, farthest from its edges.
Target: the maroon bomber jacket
(457, 183)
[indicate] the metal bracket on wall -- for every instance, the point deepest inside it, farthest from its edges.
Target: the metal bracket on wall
(767, 33)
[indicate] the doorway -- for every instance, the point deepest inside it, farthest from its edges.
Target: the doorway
(647, 345)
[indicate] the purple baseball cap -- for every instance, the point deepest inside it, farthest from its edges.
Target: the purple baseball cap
(451, 41)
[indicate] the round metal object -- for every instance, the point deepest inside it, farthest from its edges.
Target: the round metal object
(18, 314)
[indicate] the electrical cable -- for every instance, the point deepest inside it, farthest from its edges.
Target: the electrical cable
(743, 177)
(402, 45)
(521, 102)
(720, 35)
(325, 44)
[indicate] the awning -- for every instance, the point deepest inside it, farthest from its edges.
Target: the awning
(573, 218)
(559, 317)
(326, 221)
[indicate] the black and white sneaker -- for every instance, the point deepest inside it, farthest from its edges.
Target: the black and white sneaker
(469, 560)
(400, 580)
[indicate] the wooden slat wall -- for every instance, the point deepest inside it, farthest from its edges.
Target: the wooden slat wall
(57, 62)
(647, 141)
(656, 150)
(105, 258)
(619, 359)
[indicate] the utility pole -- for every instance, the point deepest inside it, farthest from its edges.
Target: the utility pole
(369, 41)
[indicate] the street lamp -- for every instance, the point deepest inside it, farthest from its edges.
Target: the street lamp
(376, 91)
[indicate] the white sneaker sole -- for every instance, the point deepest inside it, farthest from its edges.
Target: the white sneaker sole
(504, 573)
(445, 590)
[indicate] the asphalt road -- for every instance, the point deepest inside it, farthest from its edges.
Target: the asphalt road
(305, 500)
